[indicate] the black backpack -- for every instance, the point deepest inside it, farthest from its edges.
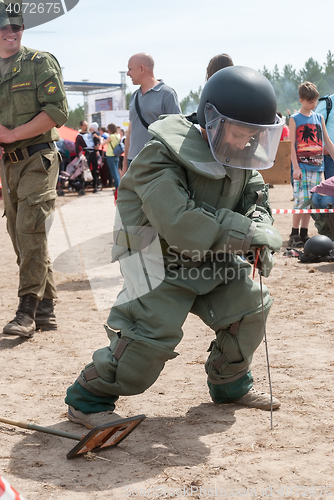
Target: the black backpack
(329, 105)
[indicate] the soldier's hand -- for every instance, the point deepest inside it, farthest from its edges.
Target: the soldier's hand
(6, 135)
(264, 259)
(266, 235)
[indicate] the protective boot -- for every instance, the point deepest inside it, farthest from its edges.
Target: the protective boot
(257, 399)
(45, 317)
(91, 420)
(24, 322)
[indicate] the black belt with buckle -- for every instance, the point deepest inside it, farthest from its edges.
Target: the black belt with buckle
(15, 156)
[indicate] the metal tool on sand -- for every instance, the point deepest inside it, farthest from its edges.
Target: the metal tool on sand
(100, 437)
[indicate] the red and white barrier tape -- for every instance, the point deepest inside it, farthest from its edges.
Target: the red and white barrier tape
(302, 211)
(7, 492)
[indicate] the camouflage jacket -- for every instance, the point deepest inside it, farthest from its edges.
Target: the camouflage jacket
(32, 84)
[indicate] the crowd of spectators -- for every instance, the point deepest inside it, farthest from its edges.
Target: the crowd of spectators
(97, 144)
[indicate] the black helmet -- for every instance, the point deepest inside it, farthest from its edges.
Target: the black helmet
(239, 93)
(318, 245)
(238, 110)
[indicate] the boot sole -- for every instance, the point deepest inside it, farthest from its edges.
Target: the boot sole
(19, 334)
(259, 407)
(45, 327)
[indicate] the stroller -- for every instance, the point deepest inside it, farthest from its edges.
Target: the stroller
(76, 176)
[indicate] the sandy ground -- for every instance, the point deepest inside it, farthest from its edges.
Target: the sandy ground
(187, 446)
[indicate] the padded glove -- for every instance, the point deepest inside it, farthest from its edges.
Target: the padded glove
(266, 235)
(265, 260)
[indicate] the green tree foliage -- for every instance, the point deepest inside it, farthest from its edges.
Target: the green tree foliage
(285, 83)
(75, 117)
(311, 72)
(189, 104)
(329, 72)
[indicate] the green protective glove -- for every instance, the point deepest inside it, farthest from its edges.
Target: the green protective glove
(264, 261)
(266, 235)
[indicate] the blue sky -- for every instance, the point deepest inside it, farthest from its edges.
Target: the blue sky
(96, 38)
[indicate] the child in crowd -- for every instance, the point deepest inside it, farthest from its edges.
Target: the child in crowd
(307, 134)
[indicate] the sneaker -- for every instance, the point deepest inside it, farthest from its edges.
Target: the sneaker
(257, 399)
(295, 241)
(91, 420)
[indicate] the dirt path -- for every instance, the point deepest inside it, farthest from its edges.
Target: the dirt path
(187, 446)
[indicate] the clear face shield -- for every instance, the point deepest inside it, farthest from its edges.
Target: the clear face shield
(239, 144)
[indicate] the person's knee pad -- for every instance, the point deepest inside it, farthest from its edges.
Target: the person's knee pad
(129, 366)
(232, 351)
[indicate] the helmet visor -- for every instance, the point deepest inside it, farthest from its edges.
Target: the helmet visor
(242, 145)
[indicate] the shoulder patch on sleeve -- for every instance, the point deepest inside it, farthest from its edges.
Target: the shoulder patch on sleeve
(50, 87)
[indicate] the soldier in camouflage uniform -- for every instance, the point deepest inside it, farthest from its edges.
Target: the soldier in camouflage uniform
(194, 192)
(32, 104)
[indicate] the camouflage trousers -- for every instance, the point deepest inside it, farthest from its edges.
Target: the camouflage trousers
(29, 192)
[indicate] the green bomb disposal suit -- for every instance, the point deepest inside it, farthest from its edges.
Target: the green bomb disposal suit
(32, 84)
(203, 214)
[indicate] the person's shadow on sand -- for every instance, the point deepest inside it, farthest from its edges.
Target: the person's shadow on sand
(157, 443)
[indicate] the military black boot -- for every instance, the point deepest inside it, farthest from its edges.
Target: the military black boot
(45, 318)
(24, 322)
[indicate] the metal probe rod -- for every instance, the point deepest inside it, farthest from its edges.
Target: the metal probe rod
(38, 428)
(267, 354)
